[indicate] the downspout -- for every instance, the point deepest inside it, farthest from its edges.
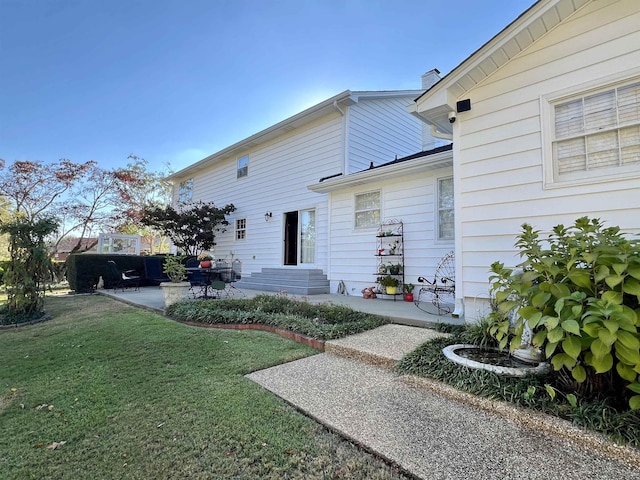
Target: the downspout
(343, 137)
(437, 134)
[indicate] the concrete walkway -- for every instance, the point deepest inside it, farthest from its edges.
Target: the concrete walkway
(421, 428)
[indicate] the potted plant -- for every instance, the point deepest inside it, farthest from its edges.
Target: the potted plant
(205, 259)
(395, 268)
(390, 283)
(382, 269)
(177, 288)
(408, 291)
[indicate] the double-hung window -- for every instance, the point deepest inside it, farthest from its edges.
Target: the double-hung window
(241, 228)
(185, 191)
(243, 166)
(367, 209)
(597, 134)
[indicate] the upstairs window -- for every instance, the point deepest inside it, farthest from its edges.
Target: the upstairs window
(185, 191)
(597, 134)
(243, 166)
(367, 209)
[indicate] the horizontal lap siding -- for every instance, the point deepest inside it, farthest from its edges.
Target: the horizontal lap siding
(279, 173)
(380, 130)
(500, 165)
(410, 199)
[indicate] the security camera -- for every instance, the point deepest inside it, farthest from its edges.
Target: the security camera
(452, 117)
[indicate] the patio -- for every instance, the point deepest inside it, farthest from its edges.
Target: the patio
(400, 312)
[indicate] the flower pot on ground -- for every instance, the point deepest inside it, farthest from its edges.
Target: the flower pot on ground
(408, 291)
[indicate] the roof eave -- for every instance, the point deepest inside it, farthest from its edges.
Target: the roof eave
(411, 167)
(343, 99)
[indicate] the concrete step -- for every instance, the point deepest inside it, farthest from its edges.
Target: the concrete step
(383, 346)
(294, 281)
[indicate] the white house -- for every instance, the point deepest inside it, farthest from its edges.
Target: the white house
(281, 230)
(547, 129)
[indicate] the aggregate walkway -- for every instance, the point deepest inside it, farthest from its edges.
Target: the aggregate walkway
(429, 435)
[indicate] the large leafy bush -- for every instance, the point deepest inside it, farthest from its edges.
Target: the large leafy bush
(578, 291)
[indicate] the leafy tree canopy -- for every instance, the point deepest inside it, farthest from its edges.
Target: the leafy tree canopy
(192, 228)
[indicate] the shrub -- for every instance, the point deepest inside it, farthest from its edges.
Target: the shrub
(323, 321)
(578, 292)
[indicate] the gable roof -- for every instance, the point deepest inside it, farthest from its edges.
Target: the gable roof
(309, 115)
(411, 164)
(434, 105)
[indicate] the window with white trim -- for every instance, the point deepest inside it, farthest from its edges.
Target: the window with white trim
(243, 166)
(597, 134)
(445, 209)
(185, 191)
(241, 228)
(367, 209)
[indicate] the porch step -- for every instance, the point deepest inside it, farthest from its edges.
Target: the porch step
(294, 281)
(383, 346)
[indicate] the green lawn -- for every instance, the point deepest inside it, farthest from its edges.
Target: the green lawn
(135, 395)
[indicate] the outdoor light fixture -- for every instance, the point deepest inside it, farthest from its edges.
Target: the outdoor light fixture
(267, 216)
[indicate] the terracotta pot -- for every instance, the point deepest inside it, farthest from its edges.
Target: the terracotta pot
(205, 264)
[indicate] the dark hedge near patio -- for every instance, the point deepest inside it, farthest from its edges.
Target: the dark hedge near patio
(321, 321)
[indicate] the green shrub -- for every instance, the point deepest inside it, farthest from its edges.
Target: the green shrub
(578, 292)
(323, 321)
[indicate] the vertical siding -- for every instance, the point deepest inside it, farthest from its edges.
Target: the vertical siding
(500, 166)
(381, 129)
(279, 173)
(410, 199)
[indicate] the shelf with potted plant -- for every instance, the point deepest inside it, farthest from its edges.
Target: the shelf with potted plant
(390, 257)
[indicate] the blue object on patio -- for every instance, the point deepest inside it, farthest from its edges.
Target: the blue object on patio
(153, 269)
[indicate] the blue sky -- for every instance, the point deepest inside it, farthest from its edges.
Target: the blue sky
(176, 80)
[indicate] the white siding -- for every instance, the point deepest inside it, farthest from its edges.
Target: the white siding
(279, 172)
(379, 130)
(410, 199)
(500, 161)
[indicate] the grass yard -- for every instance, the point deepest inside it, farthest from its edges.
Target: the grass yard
(135, 395)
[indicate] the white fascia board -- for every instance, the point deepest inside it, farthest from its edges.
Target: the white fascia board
(400, 169)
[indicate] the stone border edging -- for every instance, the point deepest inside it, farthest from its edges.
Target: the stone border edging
(43, 318)
(533, 420)
(296, 337)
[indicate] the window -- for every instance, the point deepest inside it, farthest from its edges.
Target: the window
(185, 191)
(367, 211)
(243, 166)
(241, 228)
(445, 209)
(597, 133)
(307, 236)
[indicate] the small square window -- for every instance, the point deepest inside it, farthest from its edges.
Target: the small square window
(241, 228)
(243, 166)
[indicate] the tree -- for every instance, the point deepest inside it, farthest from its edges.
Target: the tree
(28, 267)
(33, 187)
(193, 228)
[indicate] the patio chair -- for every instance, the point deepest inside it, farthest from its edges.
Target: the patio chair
(122, 278)
(199, 281)
(441, 290)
